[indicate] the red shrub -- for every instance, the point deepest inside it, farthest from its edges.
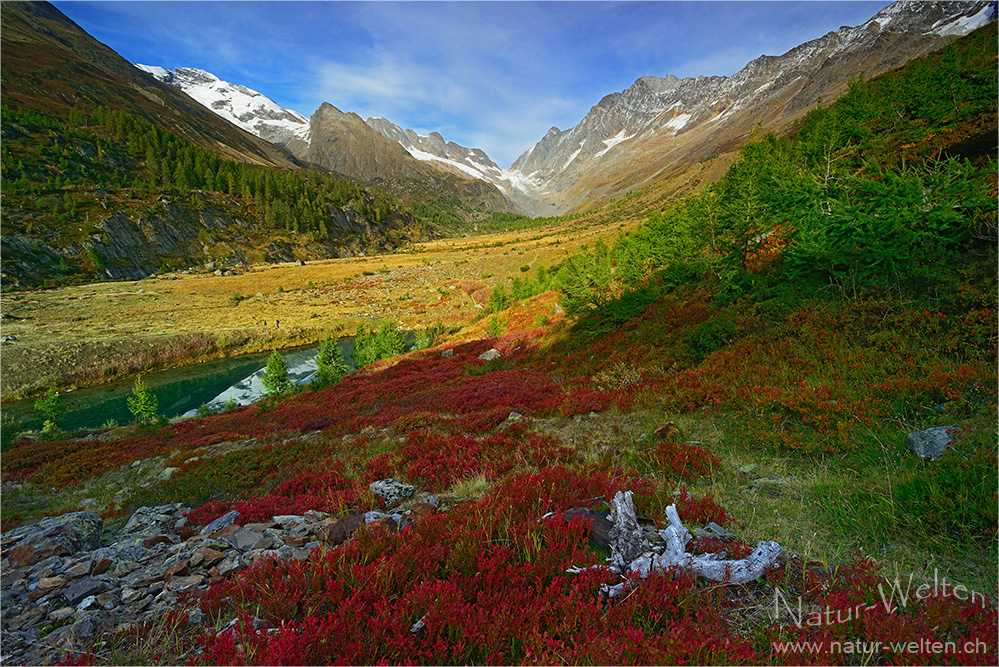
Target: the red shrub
(699, 512)
(687, 461)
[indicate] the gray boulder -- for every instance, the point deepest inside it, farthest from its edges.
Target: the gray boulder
(930, 444)
(392, 491)
(223, 521)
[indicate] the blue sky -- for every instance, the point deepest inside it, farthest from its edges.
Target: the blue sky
(492, 75)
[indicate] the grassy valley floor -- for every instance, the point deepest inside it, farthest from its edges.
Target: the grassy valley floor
(89, 334)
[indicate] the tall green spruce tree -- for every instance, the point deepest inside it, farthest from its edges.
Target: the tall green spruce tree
(330, 363)
(275, 377)
(364, 347)
(143, 403)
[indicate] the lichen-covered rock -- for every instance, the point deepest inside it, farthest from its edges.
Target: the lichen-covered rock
(392, 491)
(64, 535)
(150, 521)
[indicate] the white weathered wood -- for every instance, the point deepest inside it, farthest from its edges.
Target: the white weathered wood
(627, 538)
(740, 571)
(631, 551)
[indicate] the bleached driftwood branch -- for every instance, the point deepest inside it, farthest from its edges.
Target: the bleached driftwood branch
(631, 551)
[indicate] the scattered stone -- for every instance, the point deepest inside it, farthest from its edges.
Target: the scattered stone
(447, 353)
(246, 540)
(166, 474)
(63, 535)
(385, 523)
(100, 565)
(714, 531)
(82, 589)
(420, 511)
(337, 531)
(600, 528)
(50, 583)
(130, 595)
(61, 614)
(223, 521)
(181, 584)
(151, 542)
(206, 557)
(490, 355)
(149, 521)
(228, 565)
(930, 444)
(56, 571)
(667, 430)
(392, 491)
(91, 623)
(88, 505)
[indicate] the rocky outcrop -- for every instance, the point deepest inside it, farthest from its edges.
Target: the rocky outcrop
(175, 234)
(61, 589)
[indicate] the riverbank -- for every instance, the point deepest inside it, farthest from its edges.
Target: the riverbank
(93, 334)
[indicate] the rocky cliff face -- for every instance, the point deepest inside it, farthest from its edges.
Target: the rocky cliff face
(659, 126)
(131, 246)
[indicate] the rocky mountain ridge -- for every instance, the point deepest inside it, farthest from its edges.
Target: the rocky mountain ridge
(659, 126)
(370, 151)
(455, 158)
(344, 143)
(652, 130)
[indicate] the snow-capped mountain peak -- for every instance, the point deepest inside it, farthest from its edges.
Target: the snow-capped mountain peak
(242, 106)
(451, 156)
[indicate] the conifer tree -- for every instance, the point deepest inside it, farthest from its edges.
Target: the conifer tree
(388, 341)
(364, 347)
(50, 406)
(330, 363)
(143, 403)
(275, 377)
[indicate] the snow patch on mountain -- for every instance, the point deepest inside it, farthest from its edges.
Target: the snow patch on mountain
(430, 157)
(676, 124)
(612, 142)
(966, 24)
(574, 155)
